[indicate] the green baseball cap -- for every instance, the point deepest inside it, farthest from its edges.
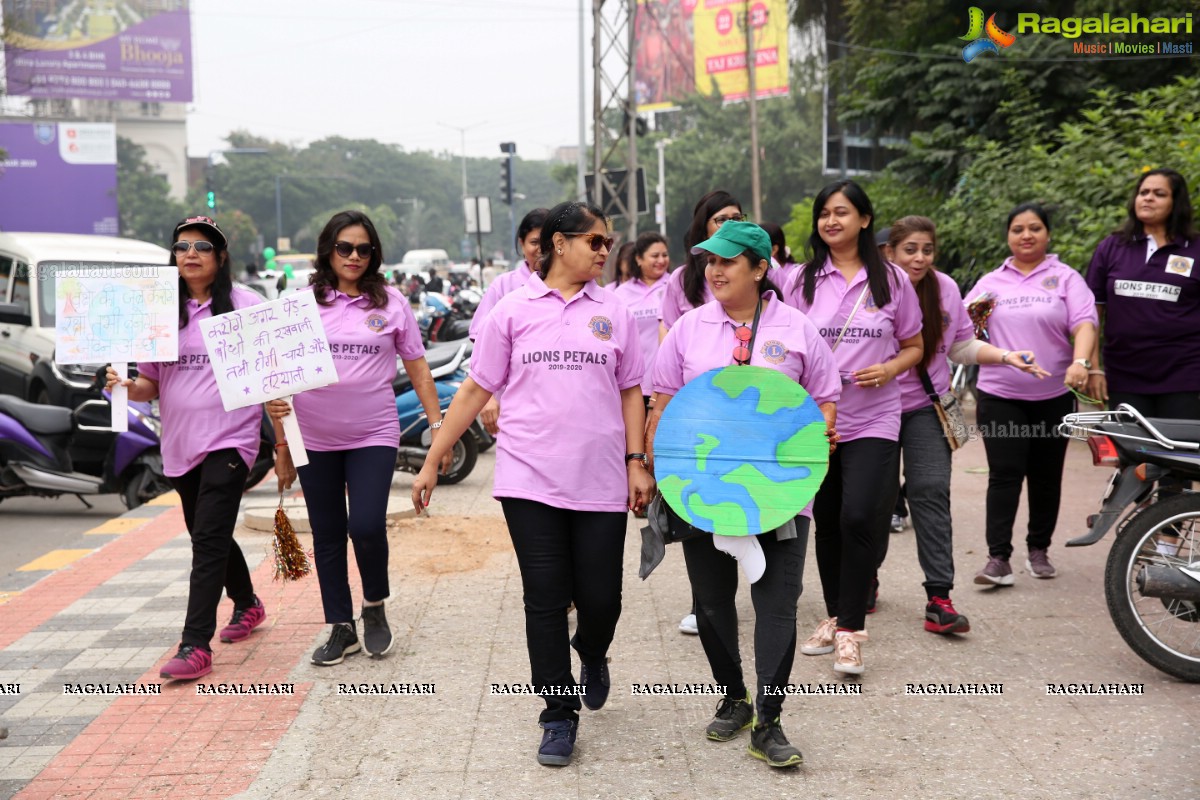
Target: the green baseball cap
(734, 238)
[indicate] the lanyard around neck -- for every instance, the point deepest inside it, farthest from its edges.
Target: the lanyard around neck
(753, 331)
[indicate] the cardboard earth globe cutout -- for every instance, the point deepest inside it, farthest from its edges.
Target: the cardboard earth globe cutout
(740, 450)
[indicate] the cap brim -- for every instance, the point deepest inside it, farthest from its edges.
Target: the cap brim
(721, 247)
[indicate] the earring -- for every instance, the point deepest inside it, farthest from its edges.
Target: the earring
(559, 252)
(757, 278)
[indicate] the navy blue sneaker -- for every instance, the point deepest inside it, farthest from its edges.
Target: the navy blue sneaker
(595, 682)
(558, 742)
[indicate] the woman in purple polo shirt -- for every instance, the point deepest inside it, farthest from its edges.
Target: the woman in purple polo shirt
(643, 294)
(571, 461)
(619, 268)
(529, 242)
(1146, 281)
(351, 430)
(868, 313)
(946, 332)
(783, 339)
(1040, 302)
(206, 450)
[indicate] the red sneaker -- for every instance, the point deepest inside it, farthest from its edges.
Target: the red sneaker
(940, 617)
(243, 621)
(189, 663)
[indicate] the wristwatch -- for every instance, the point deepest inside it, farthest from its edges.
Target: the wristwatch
(637, 457)
(436, 425)
(1086, 363)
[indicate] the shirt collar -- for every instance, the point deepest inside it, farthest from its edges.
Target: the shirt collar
(535, 287)
(1049, 261)
(714, 313)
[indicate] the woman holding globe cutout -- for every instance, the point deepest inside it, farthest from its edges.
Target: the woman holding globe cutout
(749, 319)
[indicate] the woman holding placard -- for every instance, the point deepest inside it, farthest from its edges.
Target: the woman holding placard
(749, 318)
(351, 431)
(206, 450)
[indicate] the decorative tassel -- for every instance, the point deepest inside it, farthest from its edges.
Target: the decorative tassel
(291, 562)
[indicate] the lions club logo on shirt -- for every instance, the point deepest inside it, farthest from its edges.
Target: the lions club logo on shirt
(1180, 265)
(375, 322)
(945, 321)
(869, 304)
(774, 351)
(601, 328)
(1050, 283)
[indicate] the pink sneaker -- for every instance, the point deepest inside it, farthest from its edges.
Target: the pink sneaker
(189, 663)
(243, 621)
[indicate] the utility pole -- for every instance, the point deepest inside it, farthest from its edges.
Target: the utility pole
(613, 74)
(463, 133)
(752, 96)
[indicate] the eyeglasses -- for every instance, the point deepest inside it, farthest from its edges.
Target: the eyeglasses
(721, 220)
(344, 249)
(201, 246)
(594, 240)
(741, 353)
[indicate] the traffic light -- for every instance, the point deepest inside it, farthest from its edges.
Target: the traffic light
(212, 200)
(506, 180)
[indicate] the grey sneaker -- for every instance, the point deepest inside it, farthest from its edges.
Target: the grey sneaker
(1039, 565)
(377, 634)
(768, 743)
(343, 640)
(996, 572)
(732, 717)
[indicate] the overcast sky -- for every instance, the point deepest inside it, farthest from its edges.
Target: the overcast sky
(398, 71)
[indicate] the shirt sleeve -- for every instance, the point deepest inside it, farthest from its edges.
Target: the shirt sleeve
(492, 352)
(669, 314)
(907, 320)
(407, 335)
(1097, 271)
(1080, 300)
(631, 366)
(668, 364)
(820, 377)
(149, 369)
(960, 321)
(484, 309)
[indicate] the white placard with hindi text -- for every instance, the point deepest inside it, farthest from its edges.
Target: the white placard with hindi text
(268, 351)
(116, 314)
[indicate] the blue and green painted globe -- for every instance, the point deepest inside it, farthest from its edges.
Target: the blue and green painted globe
(740, 450)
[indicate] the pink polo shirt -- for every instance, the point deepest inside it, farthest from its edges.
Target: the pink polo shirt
(360, 409)
(873, 337)
(645, 303)
(675, 303)
(194, 423)
(786, 341)
(1034, 312)
(957, 327)
(500, 286)
(563, 366)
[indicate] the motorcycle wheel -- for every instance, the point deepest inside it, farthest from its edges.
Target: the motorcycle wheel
(143, 485)
(465, 454)
(1164, 632)
(263, 464)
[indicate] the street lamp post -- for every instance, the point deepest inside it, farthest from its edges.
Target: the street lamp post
(416, 204)
(463, 133)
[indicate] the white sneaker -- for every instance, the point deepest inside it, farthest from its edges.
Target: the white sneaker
(688, 625)
(899, 523)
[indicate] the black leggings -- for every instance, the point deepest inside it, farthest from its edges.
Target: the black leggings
(1022, 444)
(566, 556)
(852, 512)
(714, 578)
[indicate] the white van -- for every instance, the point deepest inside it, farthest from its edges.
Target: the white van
(419, 260)
(28, 264)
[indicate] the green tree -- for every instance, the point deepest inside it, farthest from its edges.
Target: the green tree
(146, 210)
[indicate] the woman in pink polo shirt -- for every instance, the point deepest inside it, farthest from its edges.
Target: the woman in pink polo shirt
(1040, 302)
(351, 430)
(643, 294)
(529, 242)
(868, 313)
(619, 268)
(206, 450)
(783, 339)
(571, 461)
(946, 332)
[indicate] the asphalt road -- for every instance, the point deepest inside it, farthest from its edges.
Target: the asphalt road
(30, 527)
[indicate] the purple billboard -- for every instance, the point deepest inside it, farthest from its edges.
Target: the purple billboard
(99, 49)
(59, 177)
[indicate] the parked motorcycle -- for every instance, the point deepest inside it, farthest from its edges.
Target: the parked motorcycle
(36, 443)
(448, 366)
(438, 320)
(1152, 579)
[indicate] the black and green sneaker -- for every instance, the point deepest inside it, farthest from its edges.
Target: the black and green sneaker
(733, 716)
(768, 743)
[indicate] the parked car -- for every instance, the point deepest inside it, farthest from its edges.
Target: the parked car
(28, 265)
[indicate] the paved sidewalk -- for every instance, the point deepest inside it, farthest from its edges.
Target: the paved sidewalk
(114, 617)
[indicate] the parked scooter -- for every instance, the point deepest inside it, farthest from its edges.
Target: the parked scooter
(1152, 579)
(438, 320)
(35, 452)
(448, 367)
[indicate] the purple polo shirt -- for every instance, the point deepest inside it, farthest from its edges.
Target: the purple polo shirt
(645, 303)
(1152, 318)
(786, 341)
(873, 337)
(675, 303)
(360, 409)
(502, 285)
(563, 366)
(194, 423)
(957, 327)
(1034, 312)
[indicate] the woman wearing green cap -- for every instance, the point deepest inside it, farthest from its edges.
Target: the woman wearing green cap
(747, 323)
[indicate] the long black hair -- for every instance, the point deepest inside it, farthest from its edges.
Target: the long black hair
(1179, 223)
(693, 265)
(565, 218)
(529, 223)
(221, 290)
(878, 272)
(929, 293)
(372, 283)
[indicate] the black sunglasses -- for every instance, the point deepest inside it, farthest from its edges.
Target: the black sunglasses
(201, 246)
(344, 249)
(595, 240)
